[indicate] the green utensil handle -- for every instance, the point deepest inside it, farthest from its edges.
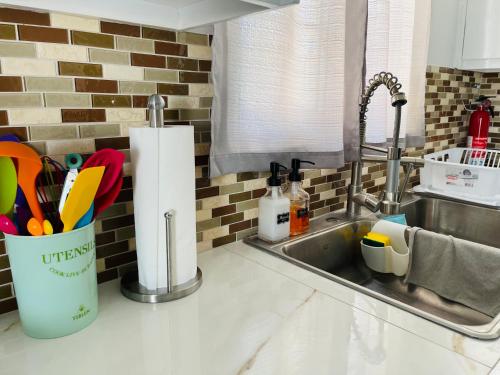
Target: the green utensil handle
(73, 161)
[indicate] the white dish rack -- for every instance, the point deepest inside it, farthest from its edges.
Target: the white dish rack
(465, 173)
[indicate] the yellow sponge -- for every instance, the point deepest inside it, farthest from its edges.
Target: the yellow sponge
(379, 237)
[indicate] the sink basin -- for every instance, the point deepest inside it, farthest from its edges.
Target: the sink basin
(332, 249)
(472, 223)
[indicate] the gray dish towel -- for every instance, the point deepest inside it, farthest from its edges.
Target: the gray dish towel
(456, 269)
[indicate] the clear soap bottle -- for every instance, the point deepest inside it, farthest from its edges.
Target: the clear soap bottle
(274, 209)
(299, 200)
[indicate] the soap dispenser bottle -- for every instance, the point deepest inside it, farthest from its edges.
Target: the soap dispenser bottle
(299, 200)
(274, 209)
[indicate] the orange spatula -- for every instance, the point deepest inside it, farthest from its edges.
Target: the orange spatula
(81, 196)
(29, 166)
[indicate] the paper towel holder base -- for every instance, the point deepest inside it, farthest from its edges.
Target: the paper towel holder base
(131, 289)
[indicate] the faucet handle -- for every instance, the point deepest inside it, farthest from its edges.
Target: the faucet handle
(367, 200)
(409, 168)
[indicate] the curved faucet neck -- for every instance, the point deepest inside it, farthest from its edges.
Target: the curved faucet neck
(398, 99)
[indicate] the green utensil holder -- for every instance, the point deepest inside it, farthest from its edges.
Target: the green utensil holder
(55, 281)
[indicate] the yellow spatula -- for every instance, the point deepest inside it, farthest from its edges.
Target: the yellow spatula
(81, 196)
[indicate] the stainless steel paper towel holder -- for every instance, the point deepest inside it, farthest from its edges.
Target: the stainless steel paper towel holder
(130, 286)
(132, 289)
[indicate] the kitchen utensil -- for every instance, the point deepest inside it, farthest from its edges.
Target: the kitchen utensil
(113, 161)
(29, 166)
(41, 190)
(54, 175)
(9, 138)
(50, 187)
(20, 198)
(81, 196)
(68, 185)
(87, 218)
(73, 162)
(8, 184)
(35, 227)
(106, 200)
(22, 215)
(47, 228)
(7, 226)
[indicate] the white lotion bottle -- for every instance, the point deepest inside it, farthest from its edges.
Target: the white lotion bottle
(274, 209)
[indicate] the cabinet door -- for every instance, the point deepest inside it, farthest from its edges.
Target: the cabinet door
(481, 48)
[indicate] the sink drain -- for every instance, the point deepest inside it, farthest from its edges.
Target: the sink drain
(332, 219)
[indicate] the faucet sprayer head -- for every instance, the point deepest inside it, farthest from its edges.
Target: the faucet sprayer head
(398, 99)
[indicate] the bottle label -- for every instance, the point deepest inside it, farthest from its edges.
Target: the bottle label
(283, 218)
(303, 212)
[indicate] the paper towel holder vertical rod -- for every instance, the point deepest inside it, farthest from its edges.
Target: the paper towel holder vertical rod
(156, 104)
(169, 215)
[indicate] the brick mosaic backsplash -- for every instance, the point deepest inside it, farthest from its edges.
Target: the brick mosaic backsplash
(75, 84)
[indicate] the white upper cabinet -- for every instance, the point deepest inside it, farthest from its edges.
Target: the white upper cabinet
(446, 32)
(481, 48)
(465, 34)
(173, 14)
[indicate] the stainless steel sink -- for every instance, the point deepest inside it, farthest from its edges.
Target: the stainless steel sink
(472, 223)
(332, 249)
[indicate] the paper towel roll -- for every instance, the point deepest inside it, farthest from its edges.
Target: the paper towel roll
(163, 172)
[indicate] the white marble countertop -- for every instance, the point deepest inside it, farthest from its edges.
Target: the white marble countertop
(254, 314)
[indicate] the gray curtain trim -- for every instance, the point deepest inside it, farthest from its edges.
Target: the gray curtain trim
(351, 154)
(355, 44)
(259, 162)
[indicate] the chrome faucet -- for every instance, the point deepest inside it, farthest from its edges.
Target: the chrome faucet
(389, 201)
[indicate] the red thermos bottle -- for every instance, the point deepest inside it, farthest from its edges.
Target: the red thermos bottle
(479, 123)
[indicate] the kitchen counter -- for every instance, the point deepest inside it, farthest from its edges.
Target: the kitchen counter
(254, 314)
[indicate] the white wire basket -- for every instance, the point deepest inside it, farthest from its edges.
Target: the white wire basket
(465, 173)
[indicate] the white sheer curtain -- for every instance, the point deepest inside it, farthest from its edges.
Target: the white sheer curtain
(397, 42)
(287, 82)
(286, 85)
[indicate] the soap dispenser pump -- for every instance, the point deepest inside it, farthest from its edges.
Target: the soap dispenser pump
(274, 209)
(299, 200)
